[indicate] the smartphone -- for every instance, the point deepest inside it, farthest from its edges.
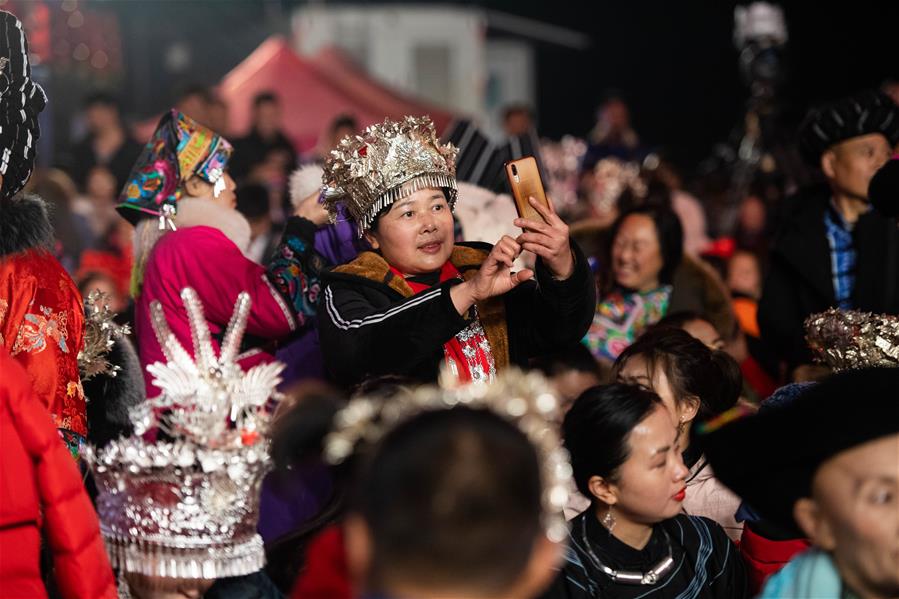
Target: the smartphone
(524, 180)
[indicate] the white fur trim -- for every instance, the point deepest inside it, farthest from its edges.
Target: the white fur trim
(303, 182)
(194, 212)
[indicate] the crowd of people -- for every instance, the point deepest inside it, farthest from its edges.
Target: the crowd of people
(233, 370)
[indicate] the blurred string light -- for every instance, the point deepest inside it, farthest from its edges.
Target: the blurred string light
(69, 5)
(76, 19)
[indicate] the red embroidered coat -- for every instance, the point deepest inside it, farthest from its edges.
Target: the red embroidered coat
(42, 328)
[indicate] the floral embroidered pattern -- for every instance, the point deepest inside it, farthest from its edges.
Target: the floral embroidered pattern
(295, 272)
(4, 308)
(38, 330)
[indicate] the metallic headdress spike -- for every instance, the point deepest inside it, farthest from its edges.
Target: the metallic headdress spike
(526, 399)
(236, 328)
(199, 332)
(849, 339)
(171, 348)
(389, 161)
(188, 507)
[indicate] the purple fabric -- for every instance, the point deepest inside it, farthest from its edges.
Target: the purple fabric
(302, 359)
(290, 499)
(338, 243)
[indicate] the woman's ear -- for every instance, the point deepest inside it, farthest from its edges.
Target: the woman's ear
(372, 240)
(197, 187)
(602, 489)
(688, 408)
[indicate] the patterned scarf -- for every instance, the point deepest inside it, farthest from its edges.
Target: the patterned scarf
(468, 353)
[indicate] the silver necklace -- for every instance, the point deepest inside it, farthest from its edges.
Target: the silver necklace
(625, 576)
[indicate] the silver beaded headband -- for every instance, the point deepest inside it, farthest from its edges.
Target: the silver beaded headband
(525, 399)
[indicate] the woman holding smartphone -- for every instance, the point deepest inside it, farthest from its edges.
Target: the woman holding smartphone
(419, 300)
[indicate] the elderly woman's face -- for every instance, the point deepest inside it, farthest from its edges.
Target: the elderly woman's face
(636, 254)
(416, 235)
(856, 515)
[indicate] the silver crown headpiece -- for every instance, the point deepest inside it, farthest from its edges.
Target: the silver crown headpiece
(186, 505)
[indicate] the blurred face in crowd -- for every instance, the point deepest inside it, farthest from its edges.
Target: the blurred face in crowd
(854, 515)
(101, 117)
(616, 115)
(218, 117)
(195, 106)
(705, 332)
(416, 235)
(267, 118)
(636, 371)
(570, 384)
(636, 254)
(752, 215)
(744, 275)
(198, 188)
(517, 123)
(101, 185)
(105, 285)
(156, 587)
(339, 133)
(849, 165)
(649, 486)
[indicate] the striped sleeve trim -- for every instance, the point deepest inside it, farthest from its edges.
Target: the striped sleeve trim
(345, 325)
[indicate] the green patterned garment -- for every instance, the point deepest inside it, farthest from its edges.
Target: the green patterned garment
(621, 316)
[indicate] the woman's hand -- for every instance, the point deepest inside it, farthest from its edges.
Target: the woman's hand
(495, 277)
(310, 208)
(548, 239)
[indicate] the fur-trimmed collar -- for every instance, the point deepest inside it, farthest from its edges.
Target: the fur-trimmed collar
(194, 212)
(24, 225)
(372, 266)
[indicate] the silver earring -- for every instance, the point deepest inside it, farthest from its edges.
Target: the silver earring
(609, 520)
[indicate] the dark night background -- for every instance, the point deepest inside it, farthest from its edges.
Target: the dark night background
(674, 61)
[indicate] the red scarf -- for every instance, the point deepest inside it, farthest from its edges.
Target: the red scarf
(468, 353)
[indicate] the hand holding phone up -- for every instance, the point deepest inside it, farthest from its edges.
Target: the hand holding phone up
(548, 239)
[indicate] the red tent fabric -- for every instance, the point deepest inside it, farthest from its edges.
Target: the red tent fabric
(313, 92)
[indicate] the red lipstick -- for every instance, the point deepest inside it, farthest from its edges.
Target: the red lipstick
(680, 495)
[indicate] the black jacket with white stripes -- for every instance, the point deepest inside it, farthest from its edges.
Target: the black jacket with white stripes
(372, 324)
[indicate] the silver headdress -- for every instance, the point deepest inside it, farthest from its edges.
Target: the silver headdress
(849, 339)
(187, 508)
(387, 162)
(100, 333)
(526, 399)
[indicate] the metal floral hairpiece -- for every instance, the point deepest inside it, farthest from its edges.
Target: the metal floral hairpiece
(100, 333)
(613, 177)
(849, 339)
(525, 399)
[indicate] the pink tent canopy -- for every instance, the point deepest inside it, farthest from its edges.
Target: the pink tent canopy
(313, 92)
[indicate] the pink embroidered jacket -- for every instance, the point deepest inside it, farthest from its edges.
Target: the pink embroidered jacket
(201, 257)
